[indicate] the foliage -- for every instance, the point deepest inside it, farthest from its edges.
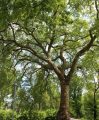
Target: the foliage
(88, 106)
(7, 74)
(90, 101)
(76, 88)
(48, 92)
(54, 36)
(6, 114)
(44, 115)
(23, 116)
(38, 115)
(51, 114)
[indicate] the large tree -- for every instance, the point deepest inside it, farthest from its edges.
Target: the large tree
(51, 35)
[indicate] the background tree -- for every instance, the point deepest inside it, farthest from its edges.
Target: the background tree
(90, 98)
(7, 74)
(76, 90)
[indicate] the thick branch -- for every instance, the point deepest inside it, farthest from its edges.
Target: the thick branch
(39, 43)
(80, 53)
(31, 33)
(56, 69)
(24, 47)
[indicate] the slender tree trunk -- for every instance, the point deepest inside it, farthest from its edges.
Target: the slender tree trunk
(95, 106)
(63, 113)
(39, 105)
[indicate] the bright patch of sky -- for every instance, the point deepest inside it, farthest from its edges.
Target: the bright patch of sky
(8, 99)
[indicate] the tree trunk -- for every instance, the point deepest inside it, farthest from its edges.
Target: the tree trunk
(63, 113)
(95, 106)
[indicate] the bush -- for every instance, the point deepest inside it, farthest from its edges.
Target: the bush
(35, 115)
(51, 114)
(38, 115)
(23, 116)
(41, 115)
(6, 115)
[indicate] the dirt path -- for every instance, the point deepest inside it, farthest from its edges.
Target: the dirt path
(74, 119)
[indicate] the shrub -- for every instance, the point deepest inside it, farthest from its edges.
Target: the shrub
(23, 116)
(43, 115)
(35, 115)
(38, 115)
(6, 115)
(51, 114)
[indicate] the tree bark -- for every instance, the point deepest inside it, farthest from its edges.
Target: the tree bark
(63, 113)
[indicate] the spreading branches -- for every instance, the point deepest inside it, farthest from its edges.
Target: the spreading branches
(80, 53)
(53, 28)
(31, 33)
(24, 47)
(39, 44)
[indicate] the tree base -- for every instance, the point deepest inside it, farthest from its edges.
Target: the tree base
(62, 116)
